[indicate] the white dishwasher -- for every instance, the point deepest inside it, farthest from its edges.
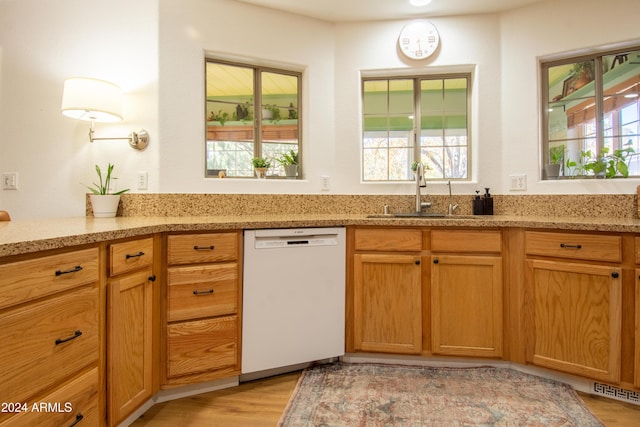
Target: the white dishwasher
(293, 297)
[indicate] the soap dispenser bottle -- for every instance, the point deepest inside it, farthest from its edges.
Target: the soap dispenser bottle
(488, 202)
(478, 204)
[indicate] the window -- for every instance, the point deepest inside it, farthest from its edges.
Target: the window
(591, 109)
(429, 110)
(237, 131)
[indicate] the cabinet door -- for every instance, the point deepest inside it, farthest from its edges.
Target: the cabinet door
(576, 318)
(129, 329)
(388, 303)
(466, 305)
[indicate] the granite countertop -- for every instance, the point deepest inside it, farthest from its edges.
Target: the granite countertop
(19, 237)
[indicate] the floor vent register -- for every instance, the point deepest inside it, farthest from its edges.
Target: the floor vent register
(613, 392)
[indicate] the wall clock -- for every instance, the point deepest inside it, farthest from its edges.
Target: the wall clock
(418, 40)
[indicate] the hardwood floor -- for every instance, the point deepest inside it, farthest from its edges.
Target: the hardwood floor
(260, 403)
(253, 404)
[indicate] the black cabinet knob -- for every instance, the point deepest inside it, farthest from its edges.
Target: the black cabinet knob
(435, 261)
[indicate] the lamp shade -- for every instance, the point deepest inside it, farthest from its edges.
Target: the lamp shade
(92, 100)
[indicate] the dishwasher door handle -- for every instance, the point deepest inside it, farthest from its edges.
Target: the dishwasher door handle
(297, 242)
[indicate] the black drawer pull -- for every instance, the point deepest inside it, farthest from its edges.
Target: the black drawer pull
(565, 245)
(197, 292)
(73, 270)
(615, 275)
(79, 418)
(435, 261)
(138, 255)
(203, 248)
(152, 278)
(75, 335)
(417, 262)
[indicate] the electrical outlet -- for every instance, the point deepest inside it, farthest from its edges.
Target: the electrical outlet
(325, 183)
(10, 181)
(518, 182)
(143, 178)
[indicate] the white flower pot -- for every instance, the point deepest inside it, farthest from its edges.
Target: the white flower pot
(261, 173)
(291, 171)
(104, 206)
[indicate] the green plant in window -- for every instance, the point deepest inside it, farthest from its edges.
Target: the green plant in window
(290, 158)
(608, 165)
(275, 112)
(221, 117)
(556, 154)
(583, 71)
(571, 166)
(260, 162)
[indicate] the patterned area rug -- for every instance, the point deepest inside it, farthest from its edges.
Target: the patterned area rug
(373, 395)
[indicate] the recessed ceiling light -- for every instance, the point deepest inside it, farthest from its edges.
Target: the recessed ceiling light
(419, 3)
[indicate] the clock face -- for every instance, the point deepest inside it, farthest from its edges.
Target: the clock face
(418, 40)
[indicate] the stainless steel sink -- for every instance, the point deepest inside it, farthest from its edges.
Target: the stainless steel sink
(420, 215)
(425, 215)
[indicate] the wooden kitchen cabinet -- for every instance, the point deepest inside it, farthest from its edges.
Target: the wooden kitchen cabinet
(466, 293)
(203, 307)
(130, 312)
(50, 327)
(387, 291)
(574, 307)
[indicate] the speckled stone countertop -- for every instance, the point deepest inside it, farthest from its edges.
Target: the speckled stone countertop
(27, 236)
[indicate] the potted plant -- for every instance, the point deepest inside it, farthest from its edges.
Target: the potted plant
(104, 202)
(556, 156)
(290, 163)
(271, 112)
(261, 165)
(608, 165)
(583, 73)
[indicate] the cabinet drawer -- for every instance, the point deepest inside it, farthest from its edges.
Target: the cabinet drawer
(202, 291)
(47, 341)
(129, 256)
(77, 402)
(197, 248)
(466, 241)
(202, 345)
(26, 280)
(388, 240)
(637, 250)
(593, 247)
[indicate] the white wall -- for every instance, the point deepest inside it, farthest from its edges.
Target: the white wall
(539, 31)
(236, 30)
(467, 43)
(41, 44)
(155, 50)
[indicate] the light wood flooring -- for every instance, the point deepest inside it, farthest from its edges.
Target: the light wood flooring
(260, 403)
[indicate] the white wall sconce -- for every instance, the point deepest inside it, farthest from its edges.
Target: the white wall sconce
(97, 101)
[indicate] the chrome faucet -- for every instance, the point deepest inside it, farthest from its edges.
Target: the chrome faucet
(452, 207)
(420, 182)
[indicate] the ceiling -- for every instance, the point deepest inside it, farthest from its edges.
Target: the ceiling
(375, 10)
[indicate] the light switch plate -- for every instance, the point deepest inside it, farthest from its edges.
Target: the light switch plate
(10, 181)
(325, 183)
(518, 182)
(143, 180)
